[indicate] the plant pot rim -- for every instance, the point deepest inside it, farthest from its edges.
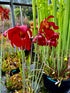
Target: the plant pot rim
(55, 80)
(55, 86)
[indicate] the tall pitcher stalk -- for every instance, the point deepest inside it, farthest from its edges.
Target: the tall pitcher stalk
(23, 70)
(65, 31)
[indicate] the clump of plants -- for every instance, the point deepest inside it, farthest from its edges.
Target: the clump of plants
(10, 62)
(55, 39)
(21, 40)
(14, 82)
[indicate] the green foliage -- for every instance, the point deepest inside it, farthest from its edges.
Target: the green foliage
(17, 11)
(25, 11)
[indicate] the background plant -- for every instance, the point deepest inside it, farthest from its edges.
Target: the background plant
(54, 60)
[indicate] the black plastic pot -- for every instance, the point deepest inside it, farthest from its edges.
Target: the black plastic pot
(50, 85)
(15, 71)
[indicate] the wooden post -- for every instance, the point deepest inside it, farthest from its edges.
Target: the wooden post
(13, 18)
(12, 13)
